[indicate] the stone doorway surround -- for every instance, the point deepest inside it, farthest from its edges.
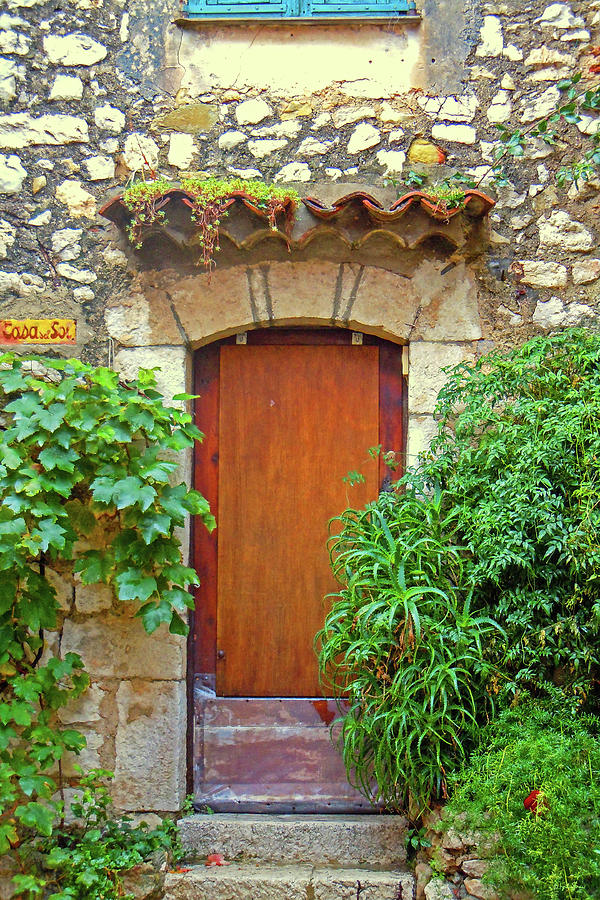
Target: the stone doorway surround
(422, 293)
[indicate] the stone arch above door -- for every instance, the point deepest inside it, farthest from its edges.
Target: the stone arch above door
(437, 302)
(166, 314)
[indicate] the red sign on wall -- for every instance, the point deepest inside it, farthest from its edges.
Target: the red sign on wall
(38, 331)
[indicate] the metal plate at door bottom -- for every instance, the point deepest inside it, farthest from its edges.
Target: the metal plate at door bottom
(269, 754)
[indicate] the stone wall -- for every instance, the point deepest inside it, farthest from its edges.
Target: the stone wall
(94, 92)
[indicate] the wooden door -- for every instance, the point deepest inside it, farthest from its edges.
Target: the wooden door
(293, 422)
(287, 416)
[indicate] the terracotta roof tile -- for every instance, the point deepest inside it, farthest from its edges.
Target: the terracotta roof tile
(354, 217)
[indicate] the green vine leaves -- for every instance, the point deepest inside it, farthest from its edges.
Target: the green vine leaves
(83, 474)
(86, 463)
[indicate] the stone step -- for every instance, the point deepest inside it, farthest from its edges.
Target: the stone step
(266, 881)
(348, 840)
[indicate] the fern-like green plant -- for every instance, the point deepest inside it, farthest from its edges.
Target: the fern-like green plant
(403, 645)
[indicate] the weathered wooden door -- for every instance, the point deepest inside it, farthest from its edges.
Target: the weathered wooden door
(287, 416)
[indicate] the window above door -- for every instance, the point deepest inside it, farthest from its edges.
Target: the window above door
(300, 10)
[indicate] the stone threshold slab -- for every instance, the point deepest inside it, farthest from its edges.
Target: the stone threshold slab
(344, 840)
(264, 881)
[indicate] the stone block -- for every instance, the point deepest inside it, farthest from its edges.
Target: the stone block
(181, 150)
(150, 745)
(250, 112)
(478, 889)
(326, 840)
(392, 161)
(100, 168)
(552, 313)
(310, 146)
(142, 318)
(295, 109)
(89, 758)
(475, 868)
(542, 105)
(345, 115)
(12, 174)
(8, 234)
(172, 363)
(425, 375)
(66, 87)
(212, 306)
(386, 304)
(73, 50)
(491, 38)
(240, 881)
(560, 230)
(421, 431)
(264, 147)
(118, 646)
(85, 708)
(189, 118)
(455, 133)
(80, 203)
(293, 172)
(437, 889)
(542, 274)
(449, 303)
(347, 884)
(19, 130)
(62, 583)
(140, 152)
(92, 598)
(230, 140)
(585, 271)
(363, 138)
(459, 109)
(289, 129)
(301, 293)
(110, 119)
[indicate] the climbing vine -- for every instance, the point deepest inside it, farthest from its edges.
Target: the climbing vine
(86, 470)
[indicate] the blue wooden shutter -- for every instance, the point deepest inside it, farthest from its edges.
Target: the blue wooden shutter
(236, 9)
(357, 8)
(277, 9)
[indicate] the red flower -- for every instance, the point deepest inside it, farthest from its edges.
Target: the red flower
(534, 803)
(215, 859)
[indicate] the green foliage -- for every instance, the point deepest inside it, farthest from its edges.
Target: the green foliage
(210, 196)
(405, 648)
(449, 192)
(85, 463)
(479, 576)
(550, 128)
(551, 852)
(88, 859)
(518, 454)
(144, 200)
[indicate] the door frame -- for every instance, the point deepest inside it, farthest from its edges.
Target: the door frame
(202, 642)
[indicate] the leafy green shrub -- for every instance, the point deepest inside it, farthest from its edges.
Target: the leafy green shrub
(85, 462)
(518, 455)
(89, 858)
(550, 852)
(501, 518)
(403, 644)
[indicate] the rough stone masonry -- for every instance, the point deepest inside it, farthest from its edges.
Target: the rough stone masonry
(96, 92)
